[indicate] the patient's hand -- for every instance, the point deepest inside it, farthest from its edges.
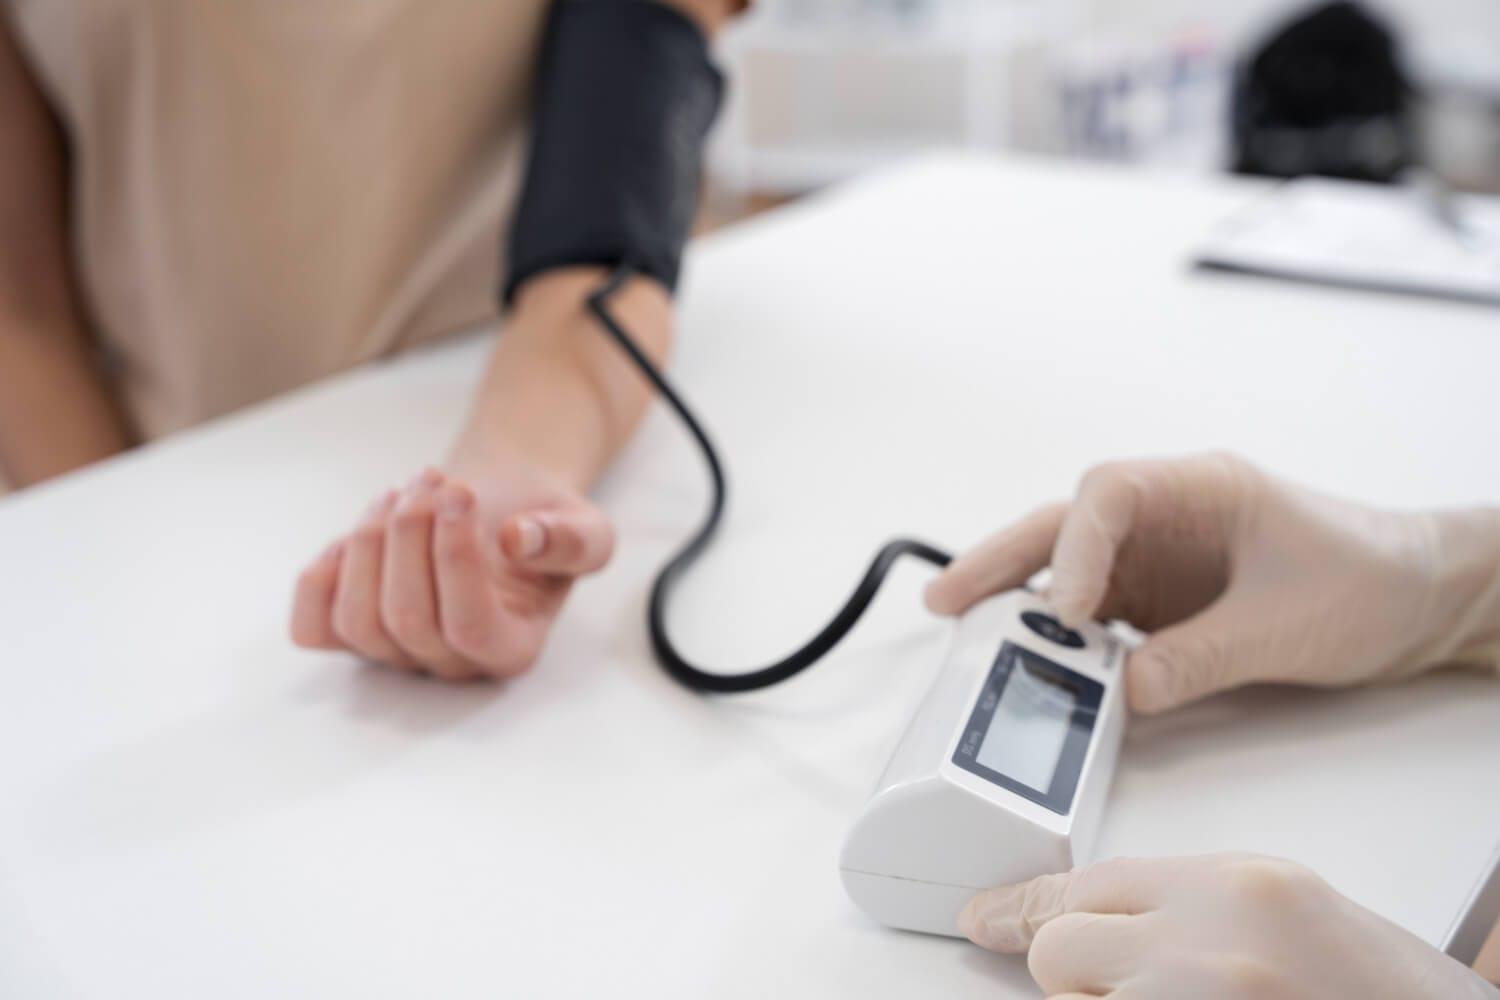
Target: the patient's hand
(462, 574)
(456, 578)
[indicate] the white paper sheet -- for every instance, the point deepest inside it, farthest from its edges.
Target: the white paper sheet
(1363, 235)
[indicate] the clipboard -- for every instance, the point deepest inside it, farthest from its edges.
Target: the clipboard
(1372, 237)
(1479, 916)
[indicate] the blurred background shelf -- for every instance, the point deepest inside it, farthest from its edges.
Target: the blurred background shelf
(825, 89)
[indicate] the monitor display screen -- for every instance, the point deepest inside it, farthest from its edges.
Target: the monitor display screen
(1030, 728)
(1026, 733)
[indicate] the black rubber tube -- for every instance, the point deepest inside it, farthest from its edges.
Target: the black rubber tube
(671, 574)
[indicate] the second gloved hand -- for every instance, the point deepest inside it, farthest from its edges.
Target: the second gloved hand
(1243, 578)
(1228, 927)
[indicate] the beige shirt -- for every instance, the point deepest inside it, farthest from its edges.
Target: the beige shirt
(269, 191)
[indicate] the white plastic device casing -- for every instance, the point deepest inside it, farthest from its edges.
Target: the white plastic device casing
(934, 833)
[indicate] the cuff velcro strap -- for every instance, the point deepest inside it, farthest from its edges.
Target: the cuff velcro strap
(625, 96)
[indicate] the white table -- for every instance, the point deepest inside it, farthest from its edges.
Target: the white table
(191, 808)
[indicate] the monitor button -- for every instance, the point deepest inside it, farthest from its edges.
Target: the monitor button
(1051, 629)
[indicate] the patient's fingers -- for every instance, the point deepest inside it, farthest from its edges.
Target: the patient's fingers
(469, 612)
(409, 600)
(356, 605)
(559, 542)
(312, 607)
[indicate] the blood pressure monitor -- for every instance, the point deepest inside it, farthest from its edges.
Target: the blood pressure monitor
(1001, 775)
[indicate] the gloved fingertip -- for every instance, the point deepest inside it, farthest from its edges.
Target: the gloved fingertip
(941, 597)
(968, 922)
(1071, 616)
(991, 920)
(1073, 607)
(1149, 685)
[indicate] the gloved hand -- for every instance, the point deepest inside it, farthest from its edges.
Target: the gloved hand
(1230, 927)
(1244, 578)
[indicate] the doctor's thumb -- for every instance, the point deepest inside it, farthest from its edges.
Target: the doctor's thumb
(1184, 663)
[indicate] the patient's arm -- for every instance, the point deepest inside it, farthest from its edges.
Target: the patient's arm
(463, 572)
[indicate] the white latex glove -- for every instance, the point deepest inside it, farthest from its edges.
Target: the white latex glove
(1226, 927)
(1245, 578)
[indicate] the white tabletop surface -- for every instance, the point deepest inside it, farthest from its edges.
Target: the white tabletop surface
(191, 808)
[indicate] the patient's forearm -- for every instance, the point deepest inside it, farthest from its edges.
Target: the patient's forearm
(56, 410)
(558, 393)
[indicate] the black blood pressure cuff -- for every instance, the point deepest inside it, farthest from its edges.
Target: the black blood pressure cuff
(625, 95)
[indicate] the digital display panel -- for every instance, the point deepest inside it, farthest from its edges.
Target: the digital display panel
(1030, 728)
(1026, 734)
